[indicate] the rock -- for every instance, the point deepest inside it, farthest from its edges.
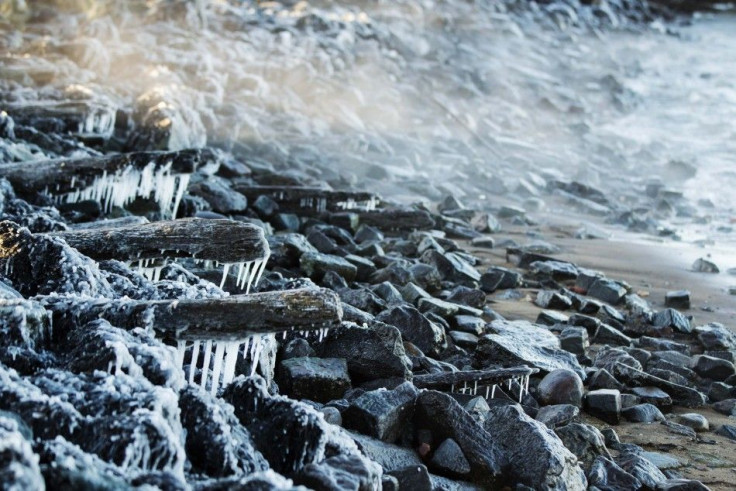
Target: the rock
(629, 400)
(715, 336)
(449, 459)
(585, 441)
(382, 413)
(448, 419)
(415, 327)
(713, 368)
(535, 456)
(483, 242)
(523, 343)
(315, 265)
(703, 265)
(671, 318)
(19, 467)
(472, 297)
(611, 336)
(574, 340)
(656, 344)
(297, 348)
(654, 396)
(551, 318)
(642, 469)
(679, 299)
(451, 266)
(413, 477)
(439, 307)
(727, 407)
(332, 415)
(547, 299)
(500, 278)
(607, 475)
(220, 196)
(478, 408)
(373, 352)
(602, 379)
(557, 415)
(557, 270)
(464, 340)
(413, 293)
(316, 379)
(696, 421)
(682, 395)
(607, 290)
(561, 386)
(470, 324)
(643, 413)
(604, 404)
(720, 391)
(681, 485)
(679, 429)
(607, 358)
(729, 431)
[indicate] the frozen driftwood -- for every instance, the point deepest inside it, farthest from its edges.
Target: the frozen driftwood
(397, 219)
(471, 381)
(299, 199)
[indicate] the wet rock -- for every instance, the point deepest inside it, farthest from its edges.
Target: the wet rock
(653, 395)
(715, 336)
(604, 404)
(520, 342)
(574, 340)
(551, 318)
(585, 441)
(611, 336)
(535, 456)
(449, 459)
(381, 413)
(606, 474)
(500, 278)
(728, 431)
(696, 421)
(449, 420)
(727, 407)
(607, 290)
(557, 415)
(703, 265)
(679, 299)
(552, 300)
(642, 469)
(415, 327)
(316, 379)
(713, 368)
(472, 297)
(315, 265)
(643, 413)
(602, 379)
(670, 318)
(413, 477)
(371, 352)
(561, 386)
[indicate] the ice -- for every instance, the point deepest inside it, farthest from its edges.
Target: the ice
(248, 273)
(493, 391)
(193, 365)
(180, 349)
(231, 357)
(206, 363)
(217, 368)
(129, 183)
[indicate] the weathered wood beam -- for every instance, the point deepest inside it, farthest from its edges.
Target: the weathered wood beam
(479, 377)
(397, 219)
(301, 199)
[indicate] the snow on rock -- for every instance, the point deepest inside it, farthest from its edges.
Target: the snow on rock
(19, 465)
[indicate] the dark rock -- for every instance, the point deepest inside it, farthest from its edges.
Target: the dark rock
(361, 298)
(426, 276)
(703, 265)
(413, 293)
(653, 395)
(483, 242)
(713, 368)
(607, 475)
(551, 318)
(696, 421)
(535, 456)
(388, 293)
(547, 299)
(727, 407)
(316, 379)
(629, 400)
(557, 415)
(729, 431)
(611, 336)
(574, 340)
(382, 414)
(220, 196)
(366, 233)
(679, 429)
(464, 340)
(642, 469)
(413, 477)
(315, 265)
(608, 358)
(679, 299)
(415, 327)
(364, 266)
(339, 472)
(451, 266)
(449, 459)
(656, 344)
(680, 484)
(394, 273)
(297, 348)
(715, 336)
(506, 279)
(449, 420)
(469, 324)
(522, 343)
(556, 270)
(607, 290)
(604, 404)
(561, 386)
(720, 391)
(439, 307)
(671, 318)
(19, 465)
(602, 379)
(669, 376)
(643, 413)
(472, 297)
(585, 441)
(589, 323)
(371, 352)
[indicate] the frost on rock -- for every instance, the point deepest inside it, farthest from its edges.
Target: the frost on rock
(19, 468)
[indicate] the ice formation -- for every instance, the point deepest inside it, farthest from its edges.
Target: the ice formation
(490, 392)
(122, 187)
(350, 204)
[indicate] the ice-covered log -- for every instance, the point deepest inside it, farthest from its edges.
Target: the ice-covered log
(81, 118)
(225, 319)
(300, 199)
(397, 219)
(240, 246)
(114, 181)
(472, 381)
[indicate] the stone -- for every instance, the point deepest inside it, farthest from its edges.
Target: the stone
(449, 459)
(629, 400)
(642, 469)
(607, 290)
(536, 457)
(680, 484)
(610, 336)
(557, 270)
(297, 348)
(415, 327)
(470, 324)
(696, 421)
(574, 340)
(557, 415)
(500, 278)
(656, 344)
(373, 352)
(728, 431)
(653, 395)
(604, 404)
(671, 318)
(547, 299)
(413, 293)
(332, 415)
(472, 297)
(607, 475)
(679, 299)
(439, 307)
(715, 336)
(551, 318)
(602, 379)
(382, 413)
(561, 386)
(679, 429)
(608, 358)
(464, 339)
(413, 477)
(365, 267)
(585, 441)
(643, 413)
(727, 407)
(720, 391)
(19, 467)
(703, 265)
(713, 368)
(315, 265)
(316, 379)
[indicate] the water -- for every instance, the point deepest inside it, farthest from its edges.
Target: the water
(412, 98)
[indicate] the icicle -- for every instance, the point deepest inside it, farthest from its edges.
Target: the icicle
(225, 269)
(217, 369)
(465, 387)
(452, 388)
(256, 356)
(206, 365)
(493, 391)
(488, 391)
(475, 388)
(193, 365)
(262, 269)
(181, 346)
(231, 357)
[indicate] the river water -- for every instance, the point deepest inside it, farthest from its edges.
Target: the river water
(410, 98)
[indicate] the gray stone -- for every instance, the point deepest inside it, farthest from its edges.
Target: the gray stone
(561, 386)
(449, 459)
(500, 278)
(653, 395)
(439, 307)
(607, 290)
(680, 484)
(585, 441)
(315, 265)
(602, 379)
(671, 318)
(713, 368)
(316, 379)
(715, 336)
(413, 477)
(657, 344)
(604, 404)
(547, 299)
(642, 469)
(415, 327)
(382, 413)
(608, 358)
(607, 475)
(574, 340)
(464, 340)
(703, 265)
(469, 324)
(643, 413)
(610, 336)
(679, 299)
(727, 407)
(720, 391)
(696, 421)
(679, 429)
(551, 318)
(729, 431)
(557, 415)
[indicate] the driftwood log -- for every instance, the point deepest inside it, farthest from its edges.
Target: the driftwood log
(224, 241)
(301, 199)
(397, 219)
